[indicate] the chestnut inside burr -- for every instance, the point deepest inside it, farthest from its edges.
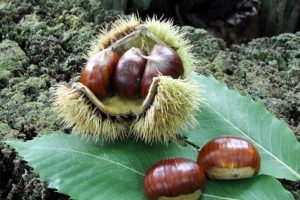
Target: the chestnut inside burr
(128, 73)
(118, 80)
(96, 75)
(162, 60)
(130, 76)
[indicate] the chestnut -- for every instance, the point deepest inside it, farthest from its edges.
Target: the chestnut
(229, 157)
(128, 73)
(178, 178)
(98, 71)
(161, 60)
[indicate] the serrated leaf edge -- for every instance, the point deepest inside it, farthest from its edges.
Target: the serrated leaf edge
(239, 130)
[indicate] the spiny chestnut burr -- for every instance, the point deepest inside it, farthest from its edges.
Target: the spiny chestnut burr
(229, 158)
(161, 60)
(97, 74)
(178, 178)
(113, 99)
(128, 73)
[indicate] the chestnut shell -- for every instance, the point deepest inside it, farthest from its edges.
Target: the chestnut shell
(161, 60)
(232, 157)
(173, 177)
(128, 73)
(98, 71)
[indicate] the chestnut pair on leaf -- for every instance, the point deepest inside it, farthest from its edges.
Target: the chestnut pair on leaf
(223, 158)
(135, 84)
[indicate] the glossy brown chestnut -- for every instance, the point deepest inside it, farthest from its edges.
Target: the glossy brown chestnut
(128, 73)
(162, 60)
(174, 177)
(97, 74)
(229, 158)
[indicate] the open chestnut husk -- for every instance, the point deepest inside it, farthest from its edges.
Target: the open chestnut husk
(229, 157)
(141, 89)
(174, 178)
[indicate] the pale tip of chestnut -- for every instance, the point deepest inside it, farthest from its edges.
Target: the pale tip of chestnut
(229, 157)
(192, 196)
(230, 173)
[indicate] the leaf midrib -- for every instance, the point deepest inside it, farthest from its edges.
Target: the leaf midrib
(218, 197)
(253, 141)
(91, 155)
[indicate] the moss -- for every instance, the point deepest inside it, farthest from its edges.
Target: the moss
(7, 132)
(2, 4)
(206, 46)
(13, 60)
(25, 105)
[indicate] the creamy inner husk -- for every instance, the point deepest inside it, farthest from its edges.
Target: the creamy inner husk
(230, 173)
(120, 106)
(192, 196)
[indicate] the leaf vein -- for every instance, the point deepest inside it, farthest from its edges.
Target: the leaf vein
(218, 197)
(253, 141)
(91, 155)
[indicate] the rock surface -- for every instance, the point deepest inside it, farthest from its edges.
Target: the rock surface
(44, 42)
(267, 68)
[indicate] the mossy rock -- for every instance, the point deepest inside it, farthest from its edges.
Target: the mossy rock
(13, 61)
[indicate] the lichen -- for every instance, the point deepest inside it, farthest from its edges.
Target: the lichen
(13, 61)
